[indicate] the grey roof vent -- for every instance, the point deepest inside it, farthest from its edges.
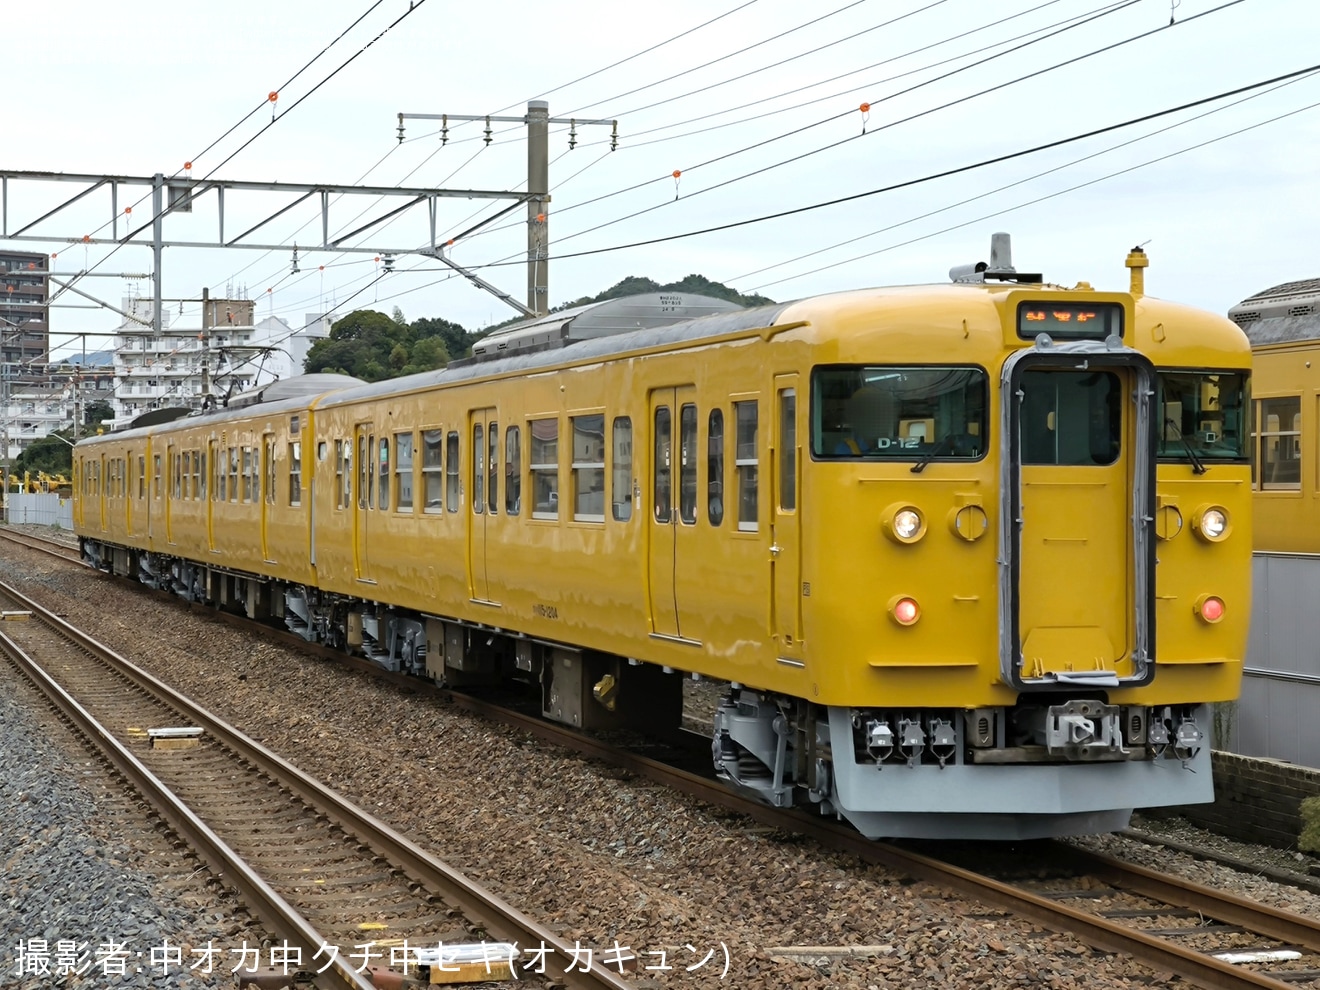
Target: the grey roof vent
(599, 319)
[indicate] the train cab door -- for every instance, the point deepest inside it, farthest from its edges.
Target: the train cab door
(673, 490)
(365, 442)
(484, 431)
(1082, 572)
(786, 532)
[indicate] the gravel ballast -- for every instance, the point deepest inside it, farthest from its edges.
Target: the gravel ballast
(593, 853)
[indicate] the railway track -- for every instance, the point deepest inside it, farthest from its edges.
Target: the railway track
(319, 872)
(54, 548)
(1173, 926)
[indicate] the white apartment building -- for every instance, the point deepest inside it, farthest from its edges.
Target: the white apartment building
(190, 365)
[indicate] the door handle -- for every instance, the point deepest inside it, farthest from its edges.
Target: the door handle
(775, 549)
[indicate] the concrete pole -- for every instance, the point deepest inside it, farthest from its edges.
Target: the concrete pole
(538, 206)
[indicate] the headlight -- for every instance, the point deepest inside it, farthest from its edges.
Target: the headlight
(1211, 523)
(904, 523)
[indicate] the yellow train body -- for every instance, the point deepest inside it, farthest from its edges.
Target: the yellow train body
(1030, 611)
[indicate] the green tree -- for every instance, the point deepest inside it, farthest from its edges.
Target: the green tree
(97, 411)
(52, 454)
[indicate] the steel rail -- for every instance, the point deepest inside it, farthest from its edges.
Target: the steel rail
(1158, 953)
(52, 547)
(268, 905)
(476, 903)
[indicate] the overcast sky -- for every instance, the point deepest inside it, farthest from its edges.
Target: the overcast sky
(135, 89)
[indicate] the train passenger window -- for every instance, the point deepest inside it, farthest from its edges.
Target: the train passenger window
(201, 473)
(662, 467)
(184, 470)
(155, 476)
(544, 466)
(899, 412)
(219, 487)
(403, 470)
(715, 467)
(1071, 417)
(383, 464)
(339, 474)
(176, 476)
(512, 471)
(478, 469)
(295, 473)
(589, 468)
(452, 487)
(1279, 444)
(746, 464)
(621, 495)
(433, 479)
(142, 476)
(788, 449)
(492, 467)
(687, 463)
(256, 473)
(233, 474)
(198, 475)
(1202, 416)
(247, 475)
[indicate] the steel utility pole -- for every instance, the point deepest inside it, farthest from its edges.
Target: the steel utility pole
(538, 121)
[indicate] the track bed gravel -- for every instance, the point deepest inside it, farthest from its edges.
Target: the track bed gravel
(592, 852)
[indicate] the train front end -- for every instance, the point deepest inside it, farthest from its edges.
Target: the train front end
(1029, 565)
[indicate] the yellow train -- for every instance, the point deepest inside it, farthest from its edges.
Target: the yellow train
(973, 559)
(1282, 685)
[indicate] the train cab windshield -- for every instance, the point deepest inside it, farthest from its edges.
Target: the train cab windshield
(898, 413)
(1203, 416)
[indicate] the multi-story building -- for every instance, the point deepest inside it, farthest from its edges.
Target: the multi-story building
(24, 307)
(190, 366)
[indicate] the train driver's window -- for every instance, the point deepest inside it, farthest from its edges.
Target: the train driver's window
(621, 483)
(295, 473)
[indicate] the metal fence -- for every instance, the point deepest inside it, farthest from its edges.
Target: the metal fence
(39, 510)
(1281, 687)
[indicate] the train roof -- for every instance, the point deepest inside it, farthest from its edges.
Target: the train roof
(1282, 314)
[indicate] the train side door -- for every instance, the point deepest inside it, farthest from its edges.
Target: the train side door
(785, 521)
(1079, 602)
(673, 503)
(365, 442)
(484, 486)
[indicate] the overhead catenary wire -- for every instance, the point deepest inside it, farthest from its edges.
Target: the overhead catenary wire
(1065, 24)
(1022, 181)
(902, 120)
(929, 177)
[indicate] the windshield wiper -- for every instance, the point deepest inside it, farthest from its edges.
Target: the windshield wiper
(934, 452)
(1198, 466)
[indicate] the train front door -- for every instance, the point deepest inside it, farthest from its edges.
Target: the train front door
(1082, 573)
(364, 439)
(673, 504)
